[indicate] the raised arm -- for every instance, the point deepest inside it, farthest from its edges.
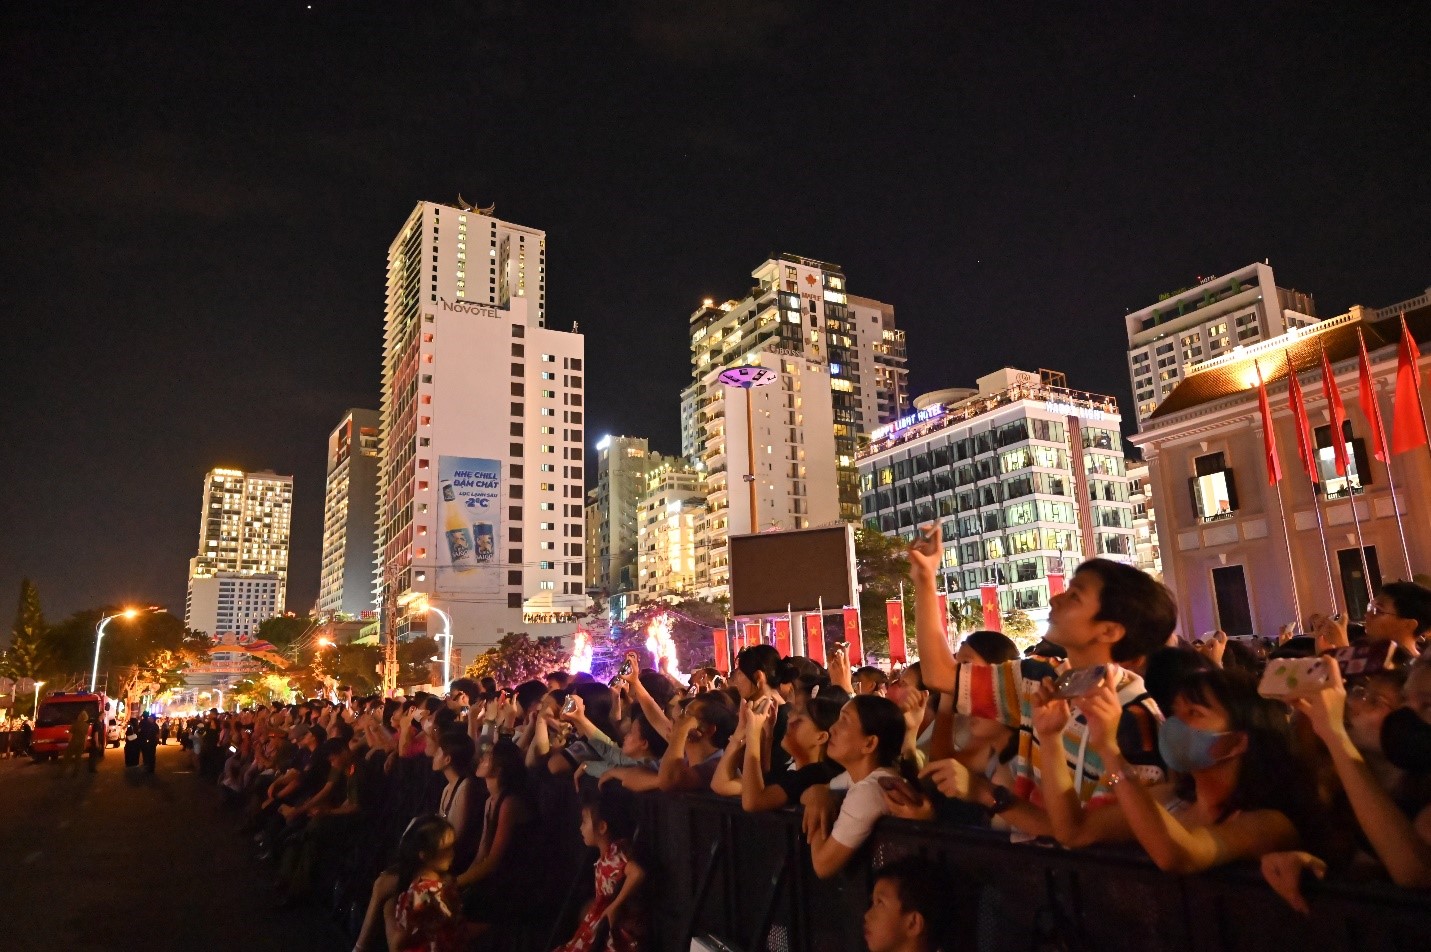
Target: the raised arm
(937, 667)
(1403, 846)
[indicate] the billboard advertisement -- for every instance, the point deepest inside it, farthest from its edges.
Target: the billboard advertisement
(469, 513)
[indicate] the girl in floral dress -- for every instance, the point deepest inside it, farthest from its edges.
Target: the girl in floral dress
(426, 916)
(613, 921)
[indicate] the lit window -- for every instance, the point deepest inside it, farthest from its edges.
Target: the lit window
(1214, 489)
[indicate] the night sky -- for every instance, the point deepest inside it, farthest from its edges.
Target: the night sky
(198, 199)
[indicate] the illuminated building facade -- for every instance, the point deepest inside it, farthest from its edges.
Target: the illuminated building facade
(346, 581)
(480, 482)
(622, 464)
(1024, 477)
(244, 530)
(1205, 321)
(671, 511)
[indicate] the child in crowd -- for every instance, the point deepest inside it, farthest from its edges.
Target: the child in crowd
(426, 916)
(909, 907)
(612, 922)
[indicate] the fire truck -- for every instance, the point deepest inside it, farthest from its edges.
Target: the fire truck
(58, 711)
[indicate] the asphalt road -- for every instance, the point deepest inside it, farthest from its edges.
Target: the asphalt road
(124, 860)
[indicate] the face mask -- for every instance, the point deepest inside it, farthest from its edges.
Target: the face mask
(1406, 741)
(1186, 749)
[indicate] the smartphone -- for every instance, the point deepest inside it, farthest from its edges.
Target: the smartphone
(1080, 682)
(233, 749)
(843, 646)
(760, 705)
(1294, 677)
(625, 669)
(569, 705)
(1364, 656)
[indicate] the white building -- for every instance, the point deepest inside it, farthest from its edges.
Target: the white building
(1147, 552)
(1199, 323)
(622, 464)
(799, 309)
(481, 464)
(345, 584)
(232, 602)
(671, 510)
(244, 530)
(1025, 478)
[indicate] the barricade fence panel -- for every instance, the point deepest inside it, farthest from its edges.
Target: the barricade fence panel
(745, 881)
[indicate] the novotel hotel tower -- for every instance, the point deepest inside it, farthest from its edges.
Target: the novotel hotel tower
(480, 455)
(1024, 477)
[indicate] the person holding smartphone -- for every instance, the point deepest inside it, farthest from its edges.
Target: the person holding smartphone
(1109, 613)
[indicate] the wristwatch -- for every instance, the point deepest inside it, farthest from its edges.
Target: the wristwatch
(1003, 799)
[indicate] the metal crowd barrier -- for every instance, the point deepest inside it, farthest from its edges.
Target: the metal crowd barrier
(743, 882)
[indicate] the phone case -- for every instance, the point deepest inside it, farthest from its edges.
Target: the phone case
(1364, 657)
(1294, 677)
(1079, 682)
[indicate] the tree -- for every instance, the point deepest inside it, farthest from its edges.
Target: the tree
(151, 648)
(1019, 626)
(519, 657)
(965, 615)
(881, 567)
(25, 656)
(283, 630)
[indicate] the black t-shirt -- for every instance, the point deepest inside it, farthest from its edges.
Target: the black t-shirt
(796, 782)
(779, 756)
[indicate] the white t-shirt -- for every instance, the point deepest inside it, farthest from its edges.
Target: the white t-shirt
(864, 804)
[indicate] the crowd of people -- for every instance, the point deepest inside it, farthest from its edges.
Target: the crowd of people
(443, 821)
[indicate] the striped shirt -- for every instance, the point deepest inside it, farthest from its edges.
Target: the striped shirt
(1003, 693)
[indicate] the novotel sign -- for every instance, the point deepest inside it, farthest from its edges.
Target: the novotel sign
(928, 413)
(463, 307)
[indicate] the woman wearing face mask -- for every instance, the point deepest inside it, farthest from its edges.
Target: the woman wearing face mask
(1240, 790)
(1400, 834)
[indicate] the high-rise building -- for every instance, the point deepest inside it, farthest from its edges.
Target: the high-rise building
(1242, 555)
(244, 531)
(232, 603)
(1195, 324)
(347, 580)
(799, 310)
(1147, 551)
(1024, 477)
(481, 478)
(671, 510)
(622, 463)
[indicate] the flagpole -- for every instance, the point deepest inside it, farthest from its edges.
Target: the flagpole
(1360, 545)
(797, 639)
(1307, 451)
(1371, 409)
(1291, 565)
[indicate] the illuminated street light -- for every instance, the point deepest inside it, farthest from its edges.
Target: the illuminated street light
(748, 378)
(446, 637)
(99, 637)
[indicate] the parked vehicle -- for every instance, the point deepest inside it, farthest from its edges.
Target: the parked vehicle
(58, 711)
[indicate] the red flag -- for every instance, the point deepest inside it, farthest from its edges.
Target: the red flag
(782, 636)
(1269, 437)
(894, 615)
(1339, 415)
(815, 637)
(1369, 407)
(722, 650)
(1306, 449)
(1408, 414)
(989, 596)
(1055, 583)
(853, 636)
(752, 634)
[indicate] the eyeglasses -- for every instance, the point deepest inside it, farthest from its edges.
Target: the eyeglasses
(1365, 695)
(1375, 609)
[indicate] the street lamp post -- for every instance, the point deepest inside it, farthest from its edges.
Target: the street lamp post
(748, 378)
(446, 637)
(99, 637)
(221, 699)
(36, 716)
